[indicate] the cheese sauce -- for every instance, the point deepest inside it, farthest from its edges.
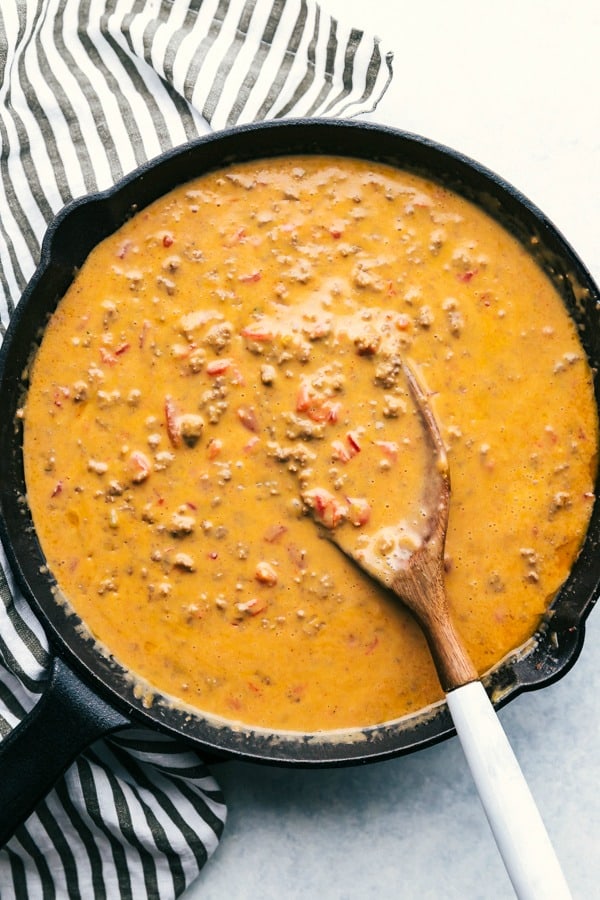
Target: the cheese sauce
(229, 365)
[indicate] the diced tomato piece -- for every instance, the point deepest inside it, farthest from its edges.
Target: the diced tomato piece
(215, 445)
(253, 607)
(466, 276)
(110, 357)
(251, 277)
(352, 438)
(297, 556)
(319, 409)
(143, 332)
(60, 394)
(140, 466)
(341, 451)
(123, 249)
(274, 532)
(107, 357)
(327, 508)
(304, 397)
(371, 645)
(248, 418)
(217, 367)
(257, 333)
(266, 573)
(390, 449)
(236, 376)
(173, 425)
(346, 451)
(333, 410)
(236, 237)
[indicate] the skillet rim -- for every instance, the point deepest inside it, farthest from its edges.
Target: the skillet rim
(561, 633)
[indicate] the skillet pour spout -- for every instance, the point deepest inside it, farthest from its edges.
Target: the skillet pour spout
(88, 693)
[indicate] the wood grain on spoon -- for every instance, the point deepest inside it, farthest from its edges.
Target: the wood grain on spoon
(417, 576)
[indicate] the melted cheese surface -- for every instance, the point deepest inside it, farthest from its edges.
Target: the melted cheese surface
(229, 364)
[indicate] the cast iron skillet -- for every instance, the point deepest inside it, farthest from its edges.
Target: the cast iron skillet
(87, 693)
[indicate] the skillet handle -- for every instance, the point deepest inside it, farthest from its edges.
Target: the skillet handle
(67, 719)
(512, 813)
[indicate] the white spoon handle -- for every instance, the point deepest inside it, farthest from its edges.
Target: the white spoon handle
(510, 808)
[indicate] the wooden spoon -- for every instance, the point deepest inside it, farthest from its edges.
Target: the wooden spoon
(417, 578)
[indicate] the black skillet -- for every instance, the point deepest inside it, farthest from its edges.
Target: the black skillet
(88, 694)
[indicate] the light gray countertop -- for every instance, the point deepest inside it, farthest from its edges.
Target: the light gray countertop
(516, 86)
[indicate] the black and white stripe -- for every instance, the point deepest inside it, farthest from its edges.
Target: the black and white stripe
(90, 89)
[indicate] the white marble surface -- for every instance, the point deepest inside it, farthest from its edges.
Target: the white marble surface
(516, 85)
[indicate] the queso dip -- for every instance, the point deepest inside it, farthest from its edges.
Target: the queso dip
(228, 366)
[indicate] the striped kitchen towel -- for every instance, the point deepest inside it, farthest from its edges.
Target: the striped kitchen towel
(89, 89)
